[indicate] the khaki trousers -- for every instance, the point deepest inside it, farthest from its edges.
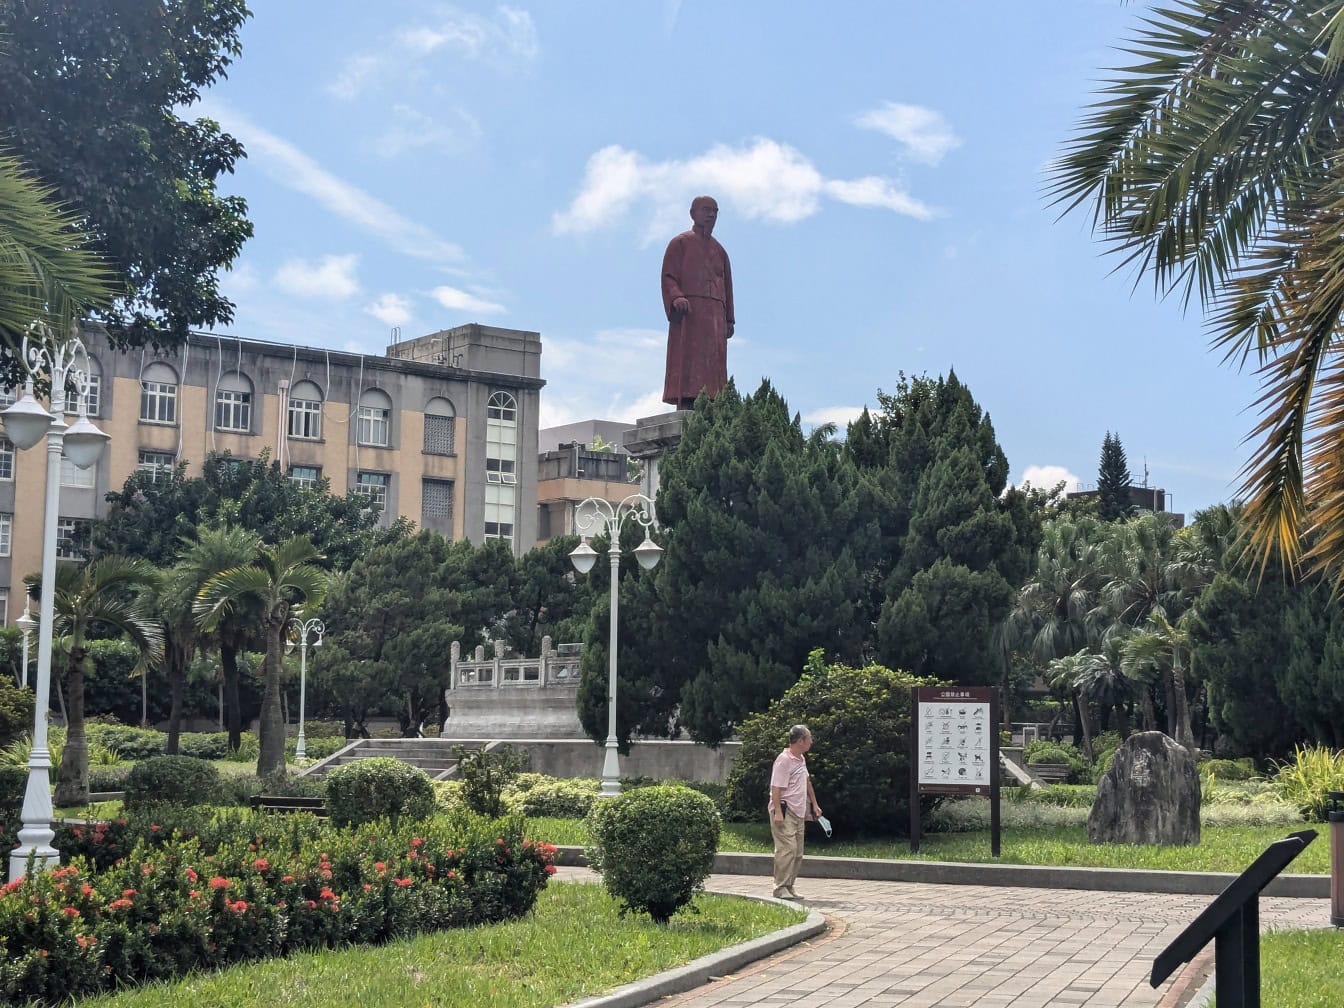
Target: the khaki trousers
(788, 848)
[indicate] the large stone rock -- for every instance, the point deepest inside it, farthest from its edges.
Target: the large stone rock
(1150, 795)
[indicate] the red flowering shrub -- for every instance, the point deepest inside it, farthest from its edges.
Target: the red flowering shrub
(247, 887)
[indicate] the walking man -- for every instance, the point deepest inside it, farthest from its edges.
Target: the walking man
(791, 798)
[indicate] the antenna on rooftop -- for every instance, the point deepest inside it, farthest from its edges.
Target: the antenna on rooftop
(396, 335)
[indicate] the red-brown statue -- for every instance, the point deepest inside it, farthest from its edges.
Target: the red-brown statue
(698, 300)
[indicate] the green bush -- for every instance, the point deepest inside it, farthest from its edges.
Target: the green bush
(562, 799)
(203, 745)
(486, 775)
(1063, 795)
(16, 711)
(378, 788)
(323, 730)
(126, 741)
(860, 761)
(13, 783)
(1045, 751)
(1314, 770)
(108, 778)
(1229, 770)
(170, 780)
(322, 746)
(654, 847)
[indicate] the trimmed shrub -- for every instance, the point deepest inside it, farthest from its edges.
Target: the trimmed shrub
(1229, 769)
(860, 765)
(1045, 751)
(203, 745)
(126, 741)
(654, 847)
(378, 788)
(108, 778)
(321, 747)
(13, 783)
(16, 712)
(170, 780)
(486, 775)
(563, 799)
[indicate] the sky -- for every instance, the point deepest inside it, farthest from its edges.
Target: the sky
(881, 170)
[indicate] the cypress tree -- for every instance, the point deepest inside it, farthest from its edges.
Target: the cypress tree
(1113, 480)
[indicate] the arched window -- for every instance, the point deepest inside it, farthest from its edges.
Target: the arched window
(440, 427)
(92, 391)
(233, 403)
(158, 394)
(305, 411)
(375, 418)
(501, 466)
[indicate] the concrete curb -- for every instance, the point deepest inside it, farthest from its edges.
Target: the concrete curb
(1023, 876)
(701, 971)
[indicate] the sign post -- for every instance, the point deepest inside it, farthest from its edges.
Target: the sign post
(954, 749)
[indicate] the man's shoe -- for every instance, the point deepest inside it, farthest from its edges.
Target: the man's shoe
(792, 895)
(784, 892)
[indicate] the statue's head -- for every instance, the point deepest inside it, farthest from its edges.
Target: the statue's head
(704, 213)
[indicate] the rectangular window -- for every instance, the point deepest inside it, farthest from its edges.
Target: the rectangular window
(500, 471)
(74, 538)
(4, 611)
(93, 397)
(6, 533)
(305, 476)
(233, 411)
(155, 464)
(375, 485)
(375, 426)
(436, 506)
(439, 435)
(499, 512)
(158, 401)
(73, 476)
(6, 459)
(305, 419)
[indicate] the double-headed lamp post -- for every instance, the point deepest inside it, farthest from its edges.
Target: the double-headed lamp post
(604, 516)
(26, 421)
(25, 623)
(300, 630)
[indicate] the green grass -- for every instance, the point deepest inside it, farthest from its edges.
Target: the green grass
(574, 945)
(1302, 968)
(1221, 849)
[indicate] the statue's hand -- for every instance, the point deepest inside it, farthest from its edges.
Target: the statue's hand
(681, 305)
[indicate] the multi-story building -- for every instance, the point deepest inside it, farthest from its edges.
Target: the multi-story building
(442, 429)
(569, 472)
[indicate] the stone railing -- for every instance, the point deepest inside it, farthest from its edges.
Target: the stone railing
(552, 668)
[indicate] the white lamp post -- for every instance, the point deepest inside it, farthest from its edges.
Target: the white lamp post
(25, 422)
(25, 623)
(608, 517)
(302, 630)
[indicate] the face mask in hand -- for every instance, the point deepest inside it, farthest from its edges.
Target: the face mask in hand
(825, 825)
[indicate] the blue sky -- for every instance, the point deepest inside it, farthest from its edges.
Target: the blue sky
(880, 169)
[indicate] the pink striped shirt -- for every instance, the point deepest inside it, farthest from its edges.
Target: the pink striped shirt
(789, 774)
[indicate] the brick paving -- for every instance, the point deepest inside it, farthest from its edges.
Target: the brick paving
(929, 946)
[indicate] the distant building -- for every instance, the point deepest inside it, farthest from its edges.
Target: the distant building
(441, 429)
(1142, 498)
(572, 472)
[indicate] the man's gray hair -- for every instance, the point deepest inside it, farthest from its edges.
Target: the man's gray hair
(797, 733)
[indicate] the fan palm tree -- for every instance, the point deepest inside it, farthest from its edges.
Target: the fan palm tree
(1215, 166)
(111, 590)
(214, 551)
(279, 578)
(1064, 675)
(1101, 680)
(1053, 606)
(47, 277)
(1162, 648)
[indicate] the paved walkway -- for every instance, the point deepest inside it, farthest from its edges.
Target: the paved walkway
(927, 946)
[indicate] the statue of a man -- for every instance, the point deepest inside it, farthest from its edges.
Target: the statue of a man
(698, 300)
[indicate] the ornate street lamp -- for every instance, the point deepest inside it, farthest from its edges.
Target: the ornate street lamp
(596, 512)
(299, 631)
(25, 422)
(25, 623)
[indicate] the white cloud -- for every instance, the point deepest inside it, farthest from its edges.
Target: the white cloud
(390, 309)
(615, 374)
(241, 279)
(508, 40)
(1047, 477)
(841, 416)
(332, 277)
(411, 130)
(762, 180)
(455, 299)
(922, 133)
(289, 166)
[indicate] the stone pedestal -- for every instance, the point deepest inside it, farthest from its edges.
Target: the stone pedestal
(652, 438)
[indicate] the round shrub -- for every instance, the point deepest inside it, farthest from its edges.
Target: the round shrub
(16, 711)
(860, 763)
(1229, 769)
(378, 788)
(170, 780)
(110, 778)
(203, 745)
(563, 799)
(654, 847)
(1044, 751)
(126, 741)
(13, 783)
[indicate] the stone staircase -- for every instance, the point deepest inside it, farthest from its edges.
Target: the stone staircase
(433, 756)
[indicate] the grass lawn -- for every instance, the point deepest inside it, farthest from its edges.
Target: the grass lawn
(574, 945)
(1221, 849)
(1302, 968)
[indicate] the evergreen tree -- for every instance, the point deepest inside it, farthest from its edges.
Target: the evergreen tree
(1113, 480)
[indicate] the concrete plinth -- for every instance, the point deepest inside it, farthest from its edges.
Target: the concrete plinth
(652, 438)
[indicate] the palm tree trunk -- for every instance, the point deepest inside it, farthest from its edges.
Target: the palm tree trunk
(176, 657)
(233, 715)
(1185, 733)
(271, 727)
(1084, 722)
(72, 782)
(1122, 719)
(1149, 711)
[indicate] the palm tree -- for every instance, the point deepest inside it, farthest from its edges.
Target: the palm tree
(1162, 647)
(1214, 165)
(214, 551)
(1101, 680)
(1053, 606)
(110, 590)
(1064, 674)
(173, 598)
(46, 275)
(279, 578)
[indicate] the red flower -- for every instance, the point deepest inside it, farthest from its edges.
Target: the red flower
(367, 887)
(120, 904)
(128, 893)
(288, 878)
(417, 841)
(70, 912)
(154, 829)
(238, 907)
(404, 882)
(380, 866)
(326, 894)
(261, 864)
(219, 882)
(194, 893)
(550, 869)
(86, 890)
(191, 875)
(310, 904)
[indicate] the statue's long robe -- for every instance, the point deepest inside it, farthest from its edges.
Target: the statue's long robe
(696, 267)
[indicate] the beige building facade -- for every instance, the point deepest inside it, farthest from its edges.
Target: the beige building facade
(441, 429)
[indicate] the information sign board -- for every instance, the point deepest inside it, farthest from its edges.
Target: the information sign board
(954, 749)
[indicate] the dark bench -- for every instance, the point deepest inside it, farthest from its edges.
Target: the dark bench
(284, 803)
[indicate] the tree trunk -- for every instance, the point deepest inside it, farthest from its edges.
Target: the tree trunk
(1122, 719)
(1084, 722)
(1149, 711)
(176, 658)
(271, 727)
(233, 715)
(72, 783)
(1185, 734)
